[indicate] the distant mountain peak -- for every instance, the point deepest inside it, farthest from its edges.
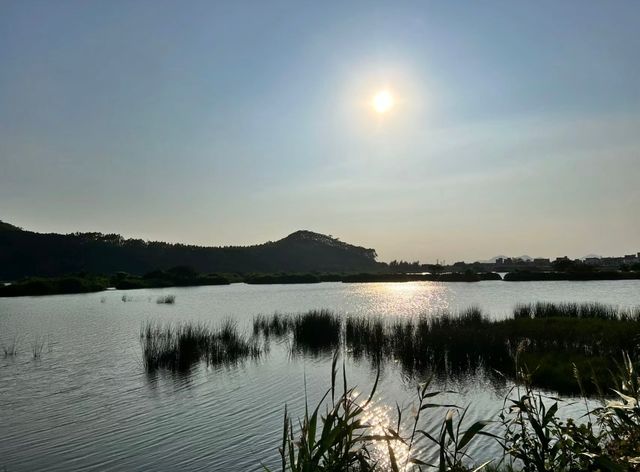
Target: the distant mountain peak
(306, 236)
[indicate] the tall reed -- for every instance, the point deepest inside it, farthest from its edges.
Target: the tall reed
(529, 428)
(37, 346)
(11, 349)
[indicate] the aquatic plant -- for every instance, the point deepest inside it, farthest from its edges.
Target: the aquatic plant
(575, 310)
(366, 336)
(529, 429)
(179, 347)
(166, 299)
(275, 325)
(335, 441)
(11, 349)
(37, 346)
(556, 337)
(346, 439)
(316, 331)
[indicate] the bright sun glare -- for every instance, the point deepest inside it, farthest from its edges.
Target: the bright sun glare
(383, 101)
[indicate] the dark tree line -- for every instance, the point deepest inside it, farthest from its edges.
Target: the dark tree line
(25, 253)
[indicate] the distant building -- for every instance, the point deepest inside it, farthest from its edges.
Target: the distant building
(611, 261)
(541, 261)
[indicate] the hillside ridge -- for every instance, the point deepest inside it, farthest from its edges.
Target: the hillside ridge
(27, 253)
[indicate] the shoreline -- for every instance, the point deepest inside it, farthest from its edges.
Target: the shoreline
(76, 284)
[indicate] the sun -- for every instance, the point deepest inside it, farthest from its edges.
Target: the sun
(383, 101)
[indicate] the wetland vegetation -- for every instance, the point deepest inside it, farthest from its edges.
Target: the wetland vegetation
(187, 277)
(180, 347)
(531, 276)
(183, 276)
(551, 341)
(529, 430)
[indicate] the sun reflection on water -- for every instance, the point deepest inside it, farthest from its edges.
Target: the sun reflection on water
(407, 298)
(381, 419)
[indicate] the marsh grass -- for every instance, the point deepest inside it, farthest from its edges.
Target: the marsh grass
(180, 347)
(366, 337)
(166, 300)
(576, 311)
(316, 331)
(275, 325)
(555, 336)
(37, 346)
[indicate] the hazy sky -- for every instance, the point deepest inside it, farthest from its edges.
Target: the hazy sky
(516, 128)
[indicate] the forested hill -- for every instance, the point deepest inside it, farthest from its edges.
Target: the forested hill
(25, 253)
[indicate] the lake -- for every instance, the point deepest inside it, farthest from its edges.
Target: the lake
(88, 404)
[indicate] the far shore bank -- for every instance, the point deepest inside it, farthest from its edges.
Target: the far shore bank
(184, 277)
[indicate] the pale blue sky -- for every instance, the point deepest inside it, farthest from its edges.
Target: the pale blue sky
(517, 126)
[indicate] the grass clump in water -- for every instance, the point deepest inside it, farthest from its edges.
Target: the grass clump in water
(179, 347)
(276, 325)
(38, 346)
(316, 330)
(574, 310)
(166, 300)
(366, 336)
(11, 349)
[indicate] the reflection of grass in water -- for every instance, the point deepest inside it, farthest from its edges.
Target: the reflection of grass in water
(555, 336)
(181, 346)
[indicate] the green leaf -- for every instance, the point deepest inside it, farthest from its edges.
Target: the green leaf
(550, 414)
(448, 422)
(471, 432)
(392, 458)
(482, 466)
(437, 405)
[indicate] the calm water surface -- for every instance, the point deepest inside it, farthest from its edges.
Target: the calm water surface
(88, 404)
